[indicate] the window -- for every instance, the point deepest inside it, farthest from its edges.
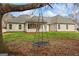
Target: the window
(58, 26)
(10, 26)
(33, 25)
(20, 26)
(5, 27)
(66, 26)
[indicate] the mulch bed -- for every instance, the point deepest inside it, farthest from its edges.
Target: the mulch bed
(55, 48)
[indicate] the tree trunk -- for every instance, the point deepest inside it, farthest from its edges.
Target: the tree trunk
(2, 49)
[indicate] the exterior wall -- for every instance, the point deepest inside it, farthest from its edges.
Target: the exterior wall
(15, 27)
(76, 27)
(4, 30)
(71, 27)
(47, 27)
(29, 30)
(53, 27)
(43, 28)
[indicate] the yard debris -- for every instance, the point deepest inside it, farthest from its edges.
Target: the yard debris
(56, 48)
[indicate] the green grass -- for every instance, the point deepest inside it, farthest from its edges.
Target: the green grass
(21, 36)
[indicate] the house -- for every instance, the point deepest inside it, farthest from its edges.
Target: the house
(27, 23)
(59, 23)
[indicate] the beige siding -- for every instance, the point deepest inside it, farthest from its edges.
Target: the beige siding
(71, 27)
(47, 27)
(4, 30)
(15, 27)
(44, 28)
(53, 27)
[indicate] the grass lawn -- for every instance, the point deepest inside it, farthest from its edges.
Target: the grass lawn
(61, 43)
(22, 36)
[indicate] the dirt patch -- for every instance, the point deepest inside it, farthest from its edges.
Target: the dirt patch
(64, 47)
(55, 48)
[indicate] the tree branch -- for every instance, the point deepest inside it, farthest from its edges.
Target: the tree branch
(10, 8)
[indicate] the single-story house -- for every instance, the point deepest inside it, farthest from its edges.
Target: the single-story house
(27, 23)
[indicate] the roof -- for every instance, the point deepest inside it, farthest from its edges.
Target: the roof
(20, 19)
(60, 19)
(49, 20)
(24, 18)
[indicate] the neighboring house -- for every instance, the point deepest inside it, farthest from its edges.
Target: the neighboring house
(27, 23)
